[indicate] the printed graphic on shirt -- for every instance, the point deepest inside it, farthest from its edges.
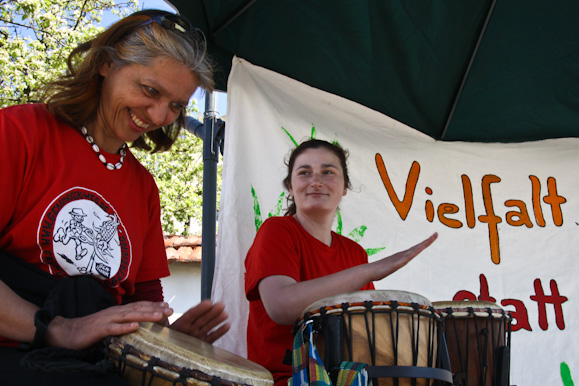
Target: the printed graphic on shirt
(81, 234)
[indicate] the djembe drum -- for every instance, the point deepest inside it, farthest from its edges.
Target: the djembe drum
(395, 333)
(158, 356)
(478, 340)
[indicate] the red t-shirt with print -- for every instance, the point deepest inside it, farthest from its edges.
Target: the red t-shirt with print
(283, 247)
(65, 212)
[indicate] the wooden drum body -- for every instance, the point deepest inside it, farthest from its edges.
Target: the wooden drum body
(478, 339)
(156, 355)
(395, 332)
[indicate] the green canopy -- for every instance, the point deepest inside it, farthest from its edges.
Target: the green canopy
(456, 70)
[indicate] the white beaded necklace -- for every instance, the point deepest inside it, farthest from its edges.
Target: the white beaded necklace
(102, 158)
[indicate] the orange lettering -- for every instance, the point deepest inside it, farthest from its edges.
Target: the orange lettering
(522, 216)
(468, 201)
(402, 207)
(490, 217)
(536, 184)
(449, 222)
(428, 207)
(555, 201)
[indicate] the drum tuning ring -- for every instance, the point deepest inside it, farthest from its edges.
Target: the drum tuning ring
(317, 326)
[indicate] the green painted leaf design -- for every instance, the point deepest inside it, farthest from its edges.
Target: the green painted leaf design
(566, 375)
(290, 136)
(256, 209)
(358, 233)
(373, 251)
(277, 210)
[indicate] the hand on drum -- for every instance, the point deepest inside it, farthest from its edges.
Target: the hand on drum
(83, 332)
(299, 295)
(391, 264)
(201, 320)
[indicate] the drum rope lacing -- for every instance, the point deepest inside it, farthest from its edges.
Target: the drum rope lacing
(416, 311)
(149, 365)
(427, 310)
(482, 345)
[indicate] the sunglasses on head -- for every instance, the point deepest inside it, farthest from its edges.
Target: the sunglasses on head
(172, 22)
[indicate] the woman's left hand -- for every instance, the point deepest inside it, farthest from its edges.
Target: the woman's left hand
(200, 321)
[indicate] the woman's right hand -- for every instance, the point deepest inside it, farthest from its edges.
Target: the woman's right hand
(298, 295)
(390, 264)
(83, 332)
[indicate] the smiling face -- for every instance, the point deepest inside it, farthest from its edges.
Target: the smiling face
(317, 183)
(136, 99)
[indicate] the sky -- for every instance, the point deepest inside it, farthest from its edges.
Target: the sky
(220, 97)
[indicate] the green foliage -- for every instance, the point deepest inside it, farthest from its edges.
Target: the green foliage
(36, 37)
(179, 176)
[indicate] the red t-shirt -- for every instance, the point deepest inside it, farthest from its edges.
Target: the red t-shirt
(283, 247)
(65, 212)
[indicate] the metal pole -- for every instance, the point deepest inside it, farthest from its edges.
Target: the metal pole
(467, 71)
(210, 159)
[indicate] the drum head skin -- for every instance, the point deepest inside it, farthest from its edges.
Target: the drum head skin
(372, 295)
(463, 308)
(183, 350)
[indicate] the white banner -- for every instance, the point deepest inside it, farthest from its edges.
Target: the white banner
(507, 214)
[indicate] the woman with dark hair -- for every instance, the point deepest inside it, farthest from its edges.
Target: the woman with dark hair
(297, 259)
(77, 204)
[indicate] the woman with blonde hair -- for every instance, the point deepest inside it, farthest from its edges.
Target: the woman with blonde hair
(77, 206)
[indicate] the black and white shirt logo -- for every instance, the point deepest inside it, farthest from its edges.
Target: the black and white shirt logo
(81, 234)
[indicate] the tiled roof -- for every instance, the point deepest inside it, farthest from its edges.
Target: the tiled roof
(183, 249)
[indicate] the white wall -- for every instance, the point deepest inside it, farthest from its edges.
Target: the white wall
(183, 288)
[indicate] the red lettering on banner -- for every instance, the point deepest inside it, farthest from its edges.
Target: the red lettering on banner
(520, 314)
(555, 299)
(484, 293)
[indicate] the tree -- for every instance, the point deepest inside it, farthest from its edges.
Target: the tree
(36, 37)
(179, 176)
